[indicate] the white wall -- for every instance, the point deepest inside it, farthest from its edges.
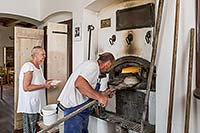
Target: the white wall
(90, 18)
(164, 60)
(120, 48)
(5, 32)
(27, 8)
(100, 126)
(76, 7)
(57, 17)
(187, 20)
(49, 7)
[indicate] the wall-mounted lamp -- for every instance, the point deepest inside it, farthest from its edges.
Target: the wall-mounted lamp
(112, 39)
(129, 38)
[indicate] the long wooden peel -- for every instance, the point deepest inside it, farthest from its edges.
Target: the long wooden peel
(189, 85)
(173, 71)
(68, 116)
(152, 63)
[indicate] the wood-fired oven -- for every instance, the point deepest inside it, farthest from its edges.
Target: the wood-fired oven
(131, 32)
(129, 78)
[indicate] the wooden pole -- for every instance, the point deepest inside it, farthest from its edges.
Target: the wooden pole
(173, 72)
(196, 92)
(190, 68)
(68, 116)
(152, 63)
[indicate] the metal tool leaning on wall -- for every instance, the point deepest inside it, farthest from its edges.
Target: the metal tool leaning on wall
(189, 84)
(153, 58)
(173, 70)
(90, 29)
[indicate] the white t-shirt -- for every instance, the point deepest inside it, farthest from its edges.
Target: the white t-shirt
(70, 96)
(31, 101)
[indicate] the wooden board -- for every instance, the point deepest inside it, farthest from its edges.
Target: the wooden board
(53, 130)
(56, 58)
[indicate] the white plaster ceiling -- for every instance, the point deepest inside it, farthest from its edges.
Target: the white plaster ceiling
(98, 5)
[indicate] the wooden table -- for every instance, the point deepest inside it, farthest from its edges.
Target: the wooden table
(10, 77)
(53, 130)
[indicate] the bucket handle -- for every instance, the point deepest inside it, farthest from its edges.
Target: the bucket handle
(48, 114)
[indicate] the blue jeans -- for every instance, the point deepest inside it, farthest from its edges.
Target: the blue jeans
(79, 122)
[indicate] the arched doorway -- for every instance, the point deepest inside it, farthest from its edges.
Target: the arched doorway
(7, 24)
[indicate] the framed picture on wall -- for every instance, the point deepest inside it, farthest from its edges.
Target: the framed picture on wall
(77, 32)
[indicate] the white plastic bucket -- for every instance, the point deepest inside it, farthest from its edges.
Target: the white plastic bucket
(49, 114)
